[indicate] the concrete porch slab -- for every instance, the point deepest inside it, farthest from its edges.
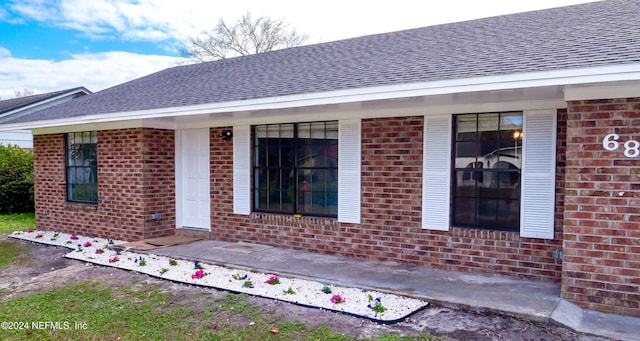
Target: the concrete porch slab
(534, 300)
(529, 299)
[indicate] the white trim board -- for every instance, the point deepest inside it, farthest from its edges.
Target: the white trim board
(576, 93)
(332, 112)
(616, 73)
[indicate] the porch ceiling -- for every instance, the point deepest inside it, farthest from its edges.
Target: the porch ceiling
(472, 101)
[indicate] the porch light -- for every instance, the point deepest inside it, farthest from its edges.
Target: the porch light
(226, 135)
(517, 135)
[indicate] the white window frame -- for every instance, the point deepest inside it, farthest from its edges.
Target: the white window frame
(537, 197)
(349, 170)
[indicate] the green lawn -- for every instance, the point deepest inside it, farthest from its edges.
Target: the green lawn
(17, 221)
(96, 311)
(10, 253)
(90, 311)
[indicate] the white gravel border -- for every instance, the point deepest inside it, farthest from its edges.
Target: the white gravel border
(307, 293)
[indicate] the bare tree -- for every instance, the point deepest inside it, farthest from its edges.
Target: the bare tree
(243, 38)
(24, 93)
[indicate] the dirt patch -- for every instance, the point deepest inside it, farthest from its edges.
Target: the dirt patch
(46, 268)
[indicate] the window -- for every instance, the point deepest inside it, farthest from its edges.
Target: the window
(82, 167)
(296, 168)
(487, 161)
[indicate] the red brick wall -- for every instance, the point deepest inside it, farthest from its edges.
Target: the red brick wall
(391, 213)
(159, 185)
(601, 268)
(135, 179)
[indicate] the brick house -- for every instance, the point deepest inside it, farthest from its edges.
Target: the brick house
(506, 145)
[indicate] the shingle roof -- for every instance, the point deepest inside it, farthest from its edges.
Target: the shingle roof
(586, 35)
(20, 102)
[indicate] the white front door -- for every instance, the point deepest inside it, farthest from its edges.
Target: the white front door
(193, 196)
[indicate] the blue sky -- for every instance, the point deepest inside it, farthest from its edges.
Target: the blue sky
(56, 43)
(49, 45)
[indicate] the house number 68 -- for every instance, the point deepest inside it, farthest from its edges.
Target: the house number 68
(631, 147)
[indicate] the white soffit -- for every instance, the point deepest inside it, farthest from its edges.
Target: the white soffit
(602, 91)
(618, 73)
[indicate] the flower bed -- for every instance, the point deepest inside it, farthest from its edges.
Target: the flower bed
(385, 307)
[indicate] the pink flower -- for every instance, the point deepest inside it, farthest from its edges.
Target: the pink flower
(74, 237)
(30, 230)
(99, 251)
(273, 280)
(87, 244)
(337, 299)
(114, 259)
(199, 274)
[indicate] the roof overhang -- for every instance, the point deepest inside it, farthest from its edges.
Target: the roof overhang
(47, 102)
(558, 86)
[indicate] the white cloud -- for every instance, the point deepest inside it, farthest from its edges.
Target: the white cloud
(40, 10)
(157, 20)
(4, 52)
(93, 71)
(137, 20)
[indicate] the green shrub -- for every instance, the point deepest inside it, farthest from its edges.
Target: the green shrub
(16, 180)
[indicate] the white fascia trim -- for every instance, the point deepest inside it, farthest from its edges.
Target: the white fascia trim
(512, 81)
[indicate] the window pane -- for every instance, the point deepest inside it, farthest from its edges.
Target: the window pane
(465, 212)
(304, 130)
(327, 156)
(286, 131)
(466, 154)
(332, 203)
(466, 183)
(287, 152)
(94, 192)
(332, 131)
(508, 213)
(261, 132)
(260, 156)
(301, 165)
(304, 204)
(274, 201)
(489, 143)
(332, 180)
(262, 198)
(487, 169)
(509, 180)
(273, 131)
(82, 167)
(466, 127)
(317, 130)
(70, 191)
(287, 199)
(273, 154)
(305, 157)
(261, 182)
(511, 121)
(487, 212)
(488, 122)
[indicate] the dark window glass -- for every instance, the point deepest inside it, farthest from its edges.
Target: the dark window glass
(82, 167)
(486, 170)
(296, 168)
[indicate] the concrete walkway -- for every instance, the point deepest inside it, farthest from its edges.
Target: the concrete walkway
(530, 299)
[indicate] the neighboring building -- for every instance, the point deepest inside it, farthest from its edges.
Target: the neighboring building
(16, 107)
(505, 145)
